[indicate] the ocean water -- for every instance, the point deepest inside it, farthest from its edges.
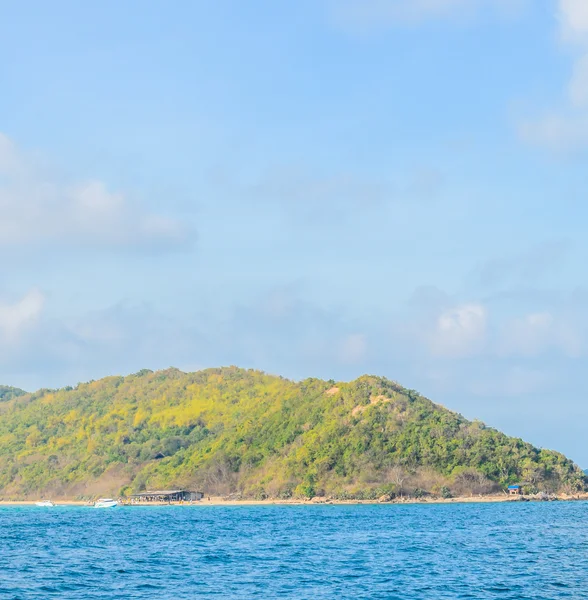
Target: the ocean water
(509, 551)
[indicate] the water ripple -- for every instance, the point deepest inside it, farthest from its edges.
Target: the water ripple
(482, 551)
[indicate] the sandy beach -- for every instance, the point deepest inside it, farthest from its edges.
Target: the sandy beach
(219, 501)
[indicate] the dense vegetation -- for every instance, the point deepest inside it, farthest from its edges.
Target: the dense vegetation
(8, 393)
(232, 431)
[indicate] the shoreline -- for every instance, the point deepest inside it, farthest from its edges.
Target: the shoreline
(218, 501)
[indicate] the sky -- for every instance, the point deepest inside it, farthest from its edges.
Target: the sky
(314, 188)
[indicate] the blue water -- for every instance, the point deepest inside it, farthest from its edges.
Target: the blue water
(516, 550)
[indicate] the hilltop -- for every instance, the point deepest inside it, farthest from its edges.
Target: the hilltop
(231, 430)
(8, 393)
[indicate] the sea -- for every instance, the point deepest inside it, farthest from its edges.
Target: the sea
(515, 550)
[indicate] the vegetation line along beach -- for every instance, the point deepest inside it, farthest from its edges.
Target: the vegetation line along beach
(243, 435)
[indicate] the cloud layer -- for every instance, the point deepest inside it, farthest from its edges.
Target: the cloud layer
(282, 332)
(37, 209)
(17, 316)
(565, 128)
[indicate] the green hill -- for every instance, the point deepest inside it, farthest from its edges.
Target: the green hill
(236, 431)
(8, 393)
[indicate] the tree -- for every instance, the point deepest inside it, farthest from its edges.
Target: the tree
(397, 476)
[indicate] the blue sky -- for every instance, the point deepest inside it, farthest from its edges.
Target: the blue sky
(314, 188)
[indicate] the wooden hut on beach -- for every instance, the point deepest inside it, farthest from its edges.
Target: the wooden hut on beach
(166, 497)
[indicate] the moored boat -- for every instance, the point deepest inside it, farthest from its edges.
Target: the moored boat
(105, 503)
(46, 503)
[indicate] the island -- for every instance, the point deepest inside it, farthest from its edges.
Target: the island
(243, 435)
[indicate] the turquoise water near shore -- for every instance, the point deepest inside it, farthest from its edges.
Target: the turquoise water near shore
(511, 551)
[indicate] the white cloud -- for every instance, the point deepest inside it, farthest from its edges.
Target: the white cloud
(278, 332)
(537, 333)
(573, 18)
(16, 317)
(459, 331)
(37, 208)
(39, 351)
(567, 128)
(527, 336)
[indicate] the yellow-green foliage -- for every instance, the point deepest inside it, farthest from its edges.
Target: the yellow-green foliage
(232, 430)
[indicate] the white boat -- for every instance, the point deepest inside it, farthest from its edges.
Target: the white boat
(45, 503)
(105, 503)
